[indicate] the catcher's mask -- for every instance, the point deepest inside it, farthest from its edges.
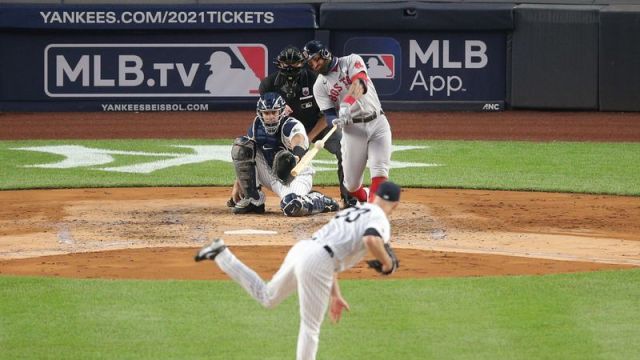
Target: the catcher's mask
(315, 51)
(289, 61)
(270, 111)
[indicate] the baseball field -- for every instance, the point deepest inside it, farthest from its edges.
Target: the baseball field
(518, 238)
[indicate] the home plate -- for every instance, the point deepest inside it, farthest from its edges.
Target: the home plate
(250, 232)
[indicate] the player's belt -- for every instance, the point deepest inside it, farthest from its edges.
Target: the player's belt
(366, 119)
(328, 249)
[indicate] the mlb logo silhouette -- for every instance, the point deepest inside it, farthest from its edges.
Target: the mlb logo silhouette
(382, 56)
(380, 66)
(236, 70)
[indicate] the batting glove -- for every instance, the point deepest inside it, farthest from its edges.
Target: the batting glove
(341, 122)
(345, 112)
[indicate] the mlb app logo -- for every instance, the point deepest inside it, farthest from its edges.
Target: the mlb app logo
(383, 57)
(380, 66)
(154, 70)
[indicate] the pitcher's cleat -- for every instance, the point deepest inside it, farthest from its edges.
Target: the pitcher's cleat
(210, 252)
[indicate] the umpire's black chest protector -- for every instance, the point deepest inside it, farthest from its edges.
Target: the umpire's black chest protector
(298, 93)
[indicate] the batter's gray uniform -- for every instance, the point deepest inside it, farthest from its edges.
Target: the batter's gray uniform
(369, 136)
(309, 267)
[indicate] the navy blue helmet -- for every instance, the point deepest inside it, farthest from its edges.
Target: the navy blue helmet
(315, 49)
(270, 110)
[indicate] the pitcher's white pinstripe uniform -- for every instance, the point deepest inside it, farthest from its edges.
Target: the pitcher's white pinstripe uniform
(309, 267)
(361, 141)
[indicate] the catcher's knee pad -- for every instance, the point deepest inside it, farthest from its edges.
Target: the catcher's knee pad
(312, 203)
(293, 205)
(243, 149)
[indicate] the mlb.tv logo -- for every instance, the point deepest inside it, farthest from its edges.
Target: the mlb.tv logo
(154, 70)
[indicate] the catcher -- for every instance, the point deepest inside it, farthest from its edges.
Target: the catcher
(272, 147)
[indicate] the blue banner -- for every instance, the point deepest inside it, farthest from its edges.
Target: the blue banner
(432, 67)
(105, 71)
(142, 17)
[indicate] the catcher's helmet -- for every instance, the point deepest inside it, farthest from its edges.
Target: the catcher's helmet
(270, 111)
(290, 60)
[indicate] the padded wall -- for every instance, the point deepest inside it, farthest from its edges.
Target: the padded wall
(416, 16)
(555, 57)
(620, 58)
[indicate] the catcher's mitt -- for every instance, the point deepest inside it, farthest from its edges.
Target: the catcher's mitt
(377, 265)
(283, 163)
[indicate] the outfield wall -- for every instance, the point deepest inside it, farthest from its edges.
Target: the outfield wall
(207, 56)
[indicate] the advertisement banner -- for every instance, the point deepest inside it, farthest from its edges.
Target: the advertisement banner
(154, 70)
(144, 17)
(438, 68)
(205, 71)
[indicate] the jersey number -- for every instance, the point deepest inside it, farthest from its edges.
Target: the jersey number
(352, 214)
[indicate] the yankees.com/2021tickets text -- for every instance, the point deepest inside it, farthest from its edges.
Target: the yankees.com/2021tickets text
(158, 17)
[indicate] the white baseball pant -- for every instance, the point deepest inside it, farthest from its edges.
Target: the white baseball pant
(301, 184)
(307, 267)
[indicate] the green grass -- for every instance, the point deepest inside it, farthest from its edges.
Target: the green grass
(599, 168)
(577, 316)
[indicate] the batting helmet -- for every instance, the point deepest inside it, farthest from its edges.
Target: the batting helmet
(315, 47)
(290, 60)
(270, 111)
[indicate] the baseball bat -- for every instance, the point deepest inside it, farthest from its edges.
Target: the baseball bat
(306, 159)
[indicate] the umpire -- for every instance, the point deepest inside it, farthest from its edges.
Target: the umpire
(294, 81)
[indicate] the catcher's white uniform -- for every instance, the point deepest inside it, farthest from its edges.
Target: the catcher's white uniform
(266, 148)
(369, 136)
(310, 266)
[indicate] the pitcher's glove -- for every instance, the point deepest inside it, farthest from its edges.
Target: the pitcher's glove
(283, 163)
(377, 265)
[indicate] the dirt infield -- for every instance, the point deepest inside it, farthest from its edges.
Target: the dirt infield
(153, 233)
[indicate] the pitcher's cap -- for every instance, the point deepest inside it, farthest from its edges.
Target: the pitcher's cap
(389, 191)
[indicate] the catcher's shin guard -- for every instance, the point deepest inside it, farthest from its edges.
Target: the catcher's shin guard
(243, 156)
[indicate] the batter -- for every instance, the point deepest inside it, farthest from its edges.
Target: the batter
(348, 98)
(312, 265)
